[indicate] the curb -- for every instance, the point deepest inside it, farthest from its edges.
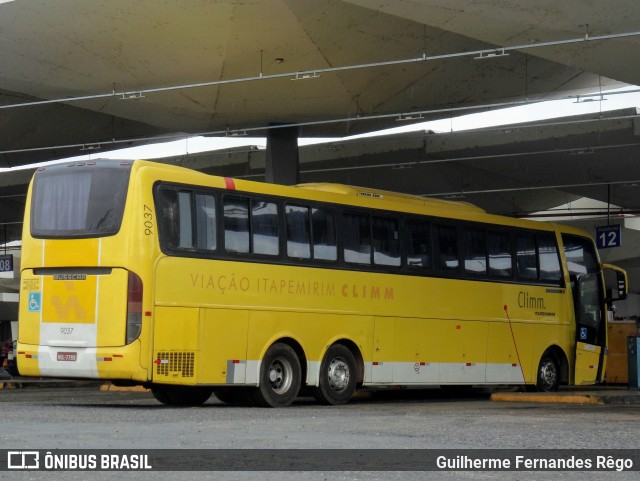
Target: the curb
(546, 398)
(615, 398)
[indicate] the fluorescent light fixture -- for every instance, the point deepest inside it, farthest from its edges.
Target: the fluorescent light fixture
(498, 52)
(306, 75)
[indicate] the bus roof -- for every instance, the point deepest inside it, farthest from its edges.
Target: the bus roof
(352, 192)
(359, 195)
(392, 196)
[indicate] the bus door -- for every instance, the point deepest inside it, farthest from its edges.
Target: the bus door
(585, 274)
(591, 339)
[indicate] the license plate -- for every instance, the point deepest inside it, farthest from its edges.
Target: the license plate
(68, 356)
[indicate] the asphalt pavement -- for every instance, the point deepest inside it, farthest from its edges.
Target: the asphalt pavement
(600, 394)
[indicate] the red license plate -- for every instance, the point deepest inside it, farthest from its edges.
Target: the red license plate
(68, 356)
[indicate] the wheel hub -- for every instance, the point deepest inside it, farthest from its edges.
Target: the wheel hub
(339, 374)
(548, 374)
(280, 375)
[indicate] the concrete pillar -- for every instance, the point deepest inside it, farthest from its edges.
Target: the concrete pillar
(282, 161)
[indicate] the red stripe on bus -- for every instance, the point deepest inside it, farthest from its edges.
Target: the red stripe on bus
(231, 185)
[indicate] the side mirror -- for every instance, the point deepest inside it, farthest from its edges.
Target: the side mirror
(617, 289)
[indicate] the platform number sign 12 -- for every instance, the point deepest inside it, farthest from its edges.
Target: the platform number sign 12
(608, 236)
(6, 263)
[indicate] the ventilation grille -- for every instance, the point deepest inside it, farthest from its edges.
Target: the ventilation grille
(171, 362)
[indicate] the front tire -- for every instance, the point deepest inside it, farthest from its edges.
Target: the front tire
(548, 378)
(338, 377)
(280, 377)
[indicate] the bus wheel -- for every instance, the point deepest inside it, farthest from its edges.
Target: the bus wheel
(548, 373)
(181, 395)
(337, 376)
(280, 377)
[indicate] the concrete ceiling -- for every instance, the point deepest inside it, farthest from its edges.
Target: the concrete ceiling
(516, 170)
(86, 59)
(66, 49)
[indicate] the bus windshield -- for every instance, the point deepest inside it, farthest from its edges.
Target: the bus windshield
(85, 200)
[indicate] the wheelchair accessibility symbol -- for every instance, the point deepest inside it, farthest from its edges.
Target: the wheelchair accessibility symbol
(34, 301)
(583, 333)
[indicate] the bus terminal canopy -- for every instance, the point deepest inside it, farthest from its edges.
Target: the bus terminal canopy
(81, 76)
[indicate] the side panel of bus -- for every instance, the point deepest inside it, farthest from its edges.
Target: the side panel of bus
(218, 318)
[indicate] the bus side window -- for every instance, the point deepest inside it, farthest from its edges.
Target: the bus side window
(526, 259)
(475, 251)
(418, 244)
(446, 247)
(297, 221)
(386, 241)
(264, 228)
(236, 224)
(549, 259)
(357, 239)
(206, 236)
(323, 225)
(169, 218)
(176, 219)
(581, 255)
(184, 216)
(499, 246)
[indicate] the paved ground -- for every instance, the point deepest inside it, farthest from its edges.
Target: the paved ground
(85, 417)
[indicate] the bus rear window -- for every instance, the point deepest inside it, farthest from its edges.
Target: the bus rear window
(78, 201)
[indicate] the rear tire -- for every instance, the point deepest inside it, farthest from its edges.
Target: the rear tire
(280, 377)
(338, 376)
(181, 395)
(548, 378)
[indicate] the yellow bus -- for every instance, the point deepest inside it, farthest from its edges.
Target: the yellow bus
(190, 284)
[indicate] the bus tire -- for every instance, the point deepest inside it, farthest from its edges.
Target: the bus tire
(181, 395)
(548, 378)
(280, 377)
(337, 381)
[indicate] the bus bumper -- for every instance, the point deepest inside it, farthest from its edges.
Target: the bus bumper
(81, 362)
